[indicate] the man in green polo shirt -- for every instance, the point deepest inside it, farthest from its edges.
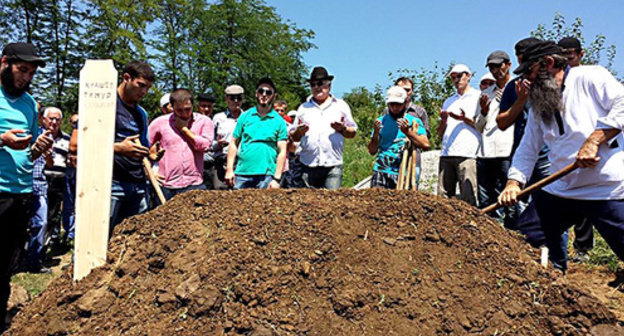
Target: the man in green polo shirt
(259, 144)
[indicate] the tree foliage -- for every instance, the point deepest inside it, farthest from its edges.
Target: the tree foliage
(198, 44)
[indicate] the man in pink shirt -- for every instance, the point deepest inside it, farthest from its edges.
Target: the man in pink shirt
(184, 136)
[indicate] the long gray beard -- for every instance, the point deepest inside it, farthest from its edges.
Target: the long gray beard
(545, 97)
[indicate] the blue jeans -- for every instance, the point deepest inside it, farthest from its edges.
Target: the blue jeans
(558, 214)
(170, 192)
(38, 230)
(69, 197)
(491, 180)
(322, 177)
(252, 181)
(127, 199)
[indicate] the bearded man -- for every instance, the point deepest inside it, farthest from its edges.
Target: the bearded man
(579, 113)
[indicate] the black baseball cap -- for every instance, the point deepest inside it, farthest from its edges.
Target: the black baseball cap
(570, 43)
(206, 97)
(535, 52)
(522, 45)
(267, 81)
(497, 57)
(24, 52)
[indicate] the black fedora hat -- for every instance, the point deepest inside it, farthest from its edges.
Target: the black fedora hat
(534, 52)
(319, 73)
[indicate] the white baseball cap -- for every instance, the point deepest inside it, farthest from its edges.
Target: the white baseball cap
(487, 76)
(396, 94)
(164, 100)
(459, 68)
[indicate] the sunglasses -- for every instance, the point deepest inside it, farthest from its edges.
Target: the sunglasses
(263, 91)
(235, 97)
(318, 83)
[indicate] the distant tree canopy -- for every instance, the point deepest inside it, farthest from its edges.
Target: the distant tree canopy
(197, 44)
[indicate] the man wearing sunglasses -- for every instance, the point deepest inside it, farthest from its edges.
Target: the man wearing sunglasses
(322, 123)
(258, 144)
(224, 124)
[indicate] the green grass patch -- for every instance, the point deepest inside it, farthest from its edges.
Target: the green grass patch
(33, 283)
(358, 164)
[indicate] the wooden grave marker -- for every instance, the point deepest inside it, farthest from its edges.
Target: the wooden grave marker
(96, 134)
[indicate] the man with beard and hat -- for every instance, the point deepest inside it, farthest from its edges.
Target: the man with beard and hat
(579, 113)
(258, 144)
(322, 124)
(493, 157)
(20, 144)
(390, 132)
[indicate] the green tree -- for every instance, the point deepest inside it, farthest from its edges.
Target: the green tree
(595, 49)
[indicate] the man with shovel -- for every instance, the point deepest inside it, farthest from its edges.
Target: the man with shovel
(579, 113)
(389, 134)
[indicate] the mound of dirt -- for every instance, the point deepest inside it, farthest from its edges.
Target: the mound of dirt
(371, 262)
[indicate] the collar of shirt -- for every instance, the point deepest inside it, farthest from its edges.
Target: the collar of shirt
(268, 115)
(327, 103)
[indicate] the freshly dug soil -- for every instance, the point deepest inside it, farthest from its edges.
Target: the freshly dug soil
(372, 262)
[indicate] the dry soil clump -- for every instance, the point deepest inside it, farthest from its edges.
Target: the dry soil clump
(373, 262)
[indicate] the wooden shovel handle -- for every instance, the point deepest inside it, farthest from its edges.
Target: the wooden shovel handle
(152, 176)
(540, 184)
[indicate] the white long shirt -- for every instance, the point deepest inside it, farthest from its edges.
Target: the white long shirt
(593, 99)
(322, 146)
(459, 138)
(495, 143)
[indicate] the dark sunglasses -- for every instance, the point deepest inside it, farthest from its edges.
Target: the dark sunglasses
(235, 97)
(265, 91)
(318, 83)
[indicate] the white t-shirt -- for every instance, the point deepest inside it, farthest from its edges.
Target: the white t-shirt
(461, 139)
(495, 143)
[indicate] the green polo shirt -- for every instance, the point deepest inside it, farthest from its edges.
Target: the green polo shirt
(258, 137)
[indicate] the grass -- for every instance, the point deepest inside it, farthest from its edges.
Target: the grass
(33, 283)
(601, 254)
(358, 164)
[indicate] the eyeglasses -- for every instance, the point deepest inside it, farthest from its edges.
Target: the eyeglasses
(408, 90)
(235, 97)
(318, 83)
(54, 118)
(263, 91)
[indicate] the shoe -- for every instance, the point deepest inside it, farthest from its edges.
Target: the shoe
(580, 257)
(618, 281)
(39, 270)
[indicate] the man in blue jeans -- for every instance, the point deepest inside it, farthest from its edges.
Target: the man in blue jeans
(129, 189)
(259, 144)
(322, 124)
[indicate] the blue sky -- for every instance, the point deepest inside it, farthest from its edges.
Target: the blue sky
(360, 41)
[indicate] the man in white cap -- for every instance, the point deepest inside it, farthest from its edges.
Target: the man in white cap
(460, 140)
(486, 81)
(390, 132)
(224, 124)
(165, 105)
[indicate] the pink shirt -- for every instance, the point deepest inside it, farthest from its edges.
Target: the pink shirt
(182, 164)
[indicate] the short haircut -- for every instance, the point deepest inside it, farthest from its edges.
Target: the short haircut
(47, 110)
(404, 79)
(280, 102)
(206, 97)
(180, 96)
(139, 69)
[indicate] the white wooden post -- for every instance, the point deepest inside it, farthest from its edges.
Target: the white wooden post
(96, 131)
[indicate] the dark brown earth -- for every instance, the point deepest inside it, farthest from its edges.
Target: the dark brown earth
(371, 262)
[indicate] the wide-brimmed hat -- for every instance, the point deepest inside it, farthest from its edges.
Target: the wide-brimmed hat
(319, 73)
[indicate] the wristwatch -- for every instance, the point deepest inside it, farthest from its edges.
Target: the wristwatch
(278, 180)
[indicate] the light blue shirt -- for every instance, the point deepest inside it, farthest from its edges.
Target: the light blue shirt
(391, 143)
(16, 167)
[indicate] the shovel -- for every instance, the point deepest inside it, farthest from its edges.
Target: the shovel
(152, 177)
(540, 184)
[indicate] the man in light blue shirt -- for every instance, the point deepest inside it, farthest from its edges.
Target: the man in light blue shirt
(19, 145)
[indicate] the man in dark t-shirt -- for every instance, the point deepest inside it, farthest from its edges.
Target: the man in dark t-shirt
(129, 189)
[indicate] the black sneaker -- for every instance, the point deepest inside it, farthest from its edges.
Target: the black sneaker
(580, 257)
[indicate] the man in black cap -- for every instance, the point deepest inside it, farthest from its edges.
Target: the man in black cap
(572, 48)
(493, 156)
(322, 124)
(259, 144)
(20, 144)
(205, 104)
(579, 113)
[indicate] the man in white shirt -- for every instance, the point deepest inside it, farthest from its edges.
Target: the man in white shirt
(460, 139)
(322, 123)
(493, 157)
(579, 113)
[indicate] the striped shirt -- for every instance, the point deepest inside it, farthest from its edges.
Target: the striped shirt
(60, 148)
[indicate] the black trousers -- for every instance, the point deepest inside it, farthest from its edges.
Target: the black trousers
(15, 212)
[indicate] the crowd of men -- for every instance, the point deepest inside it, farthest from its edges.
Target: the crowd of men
(505, 135)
